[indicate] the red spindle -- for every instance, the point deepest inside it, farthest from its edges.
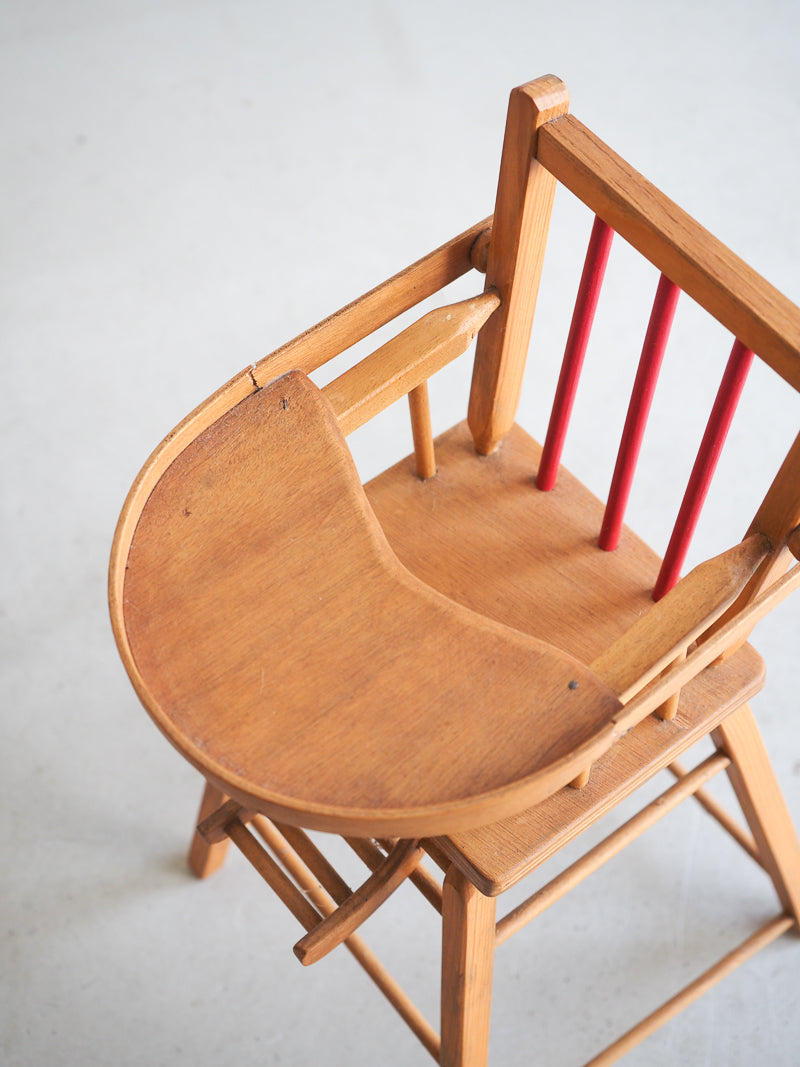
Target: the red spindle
(655, 343)
(719, 423)
(594, 270)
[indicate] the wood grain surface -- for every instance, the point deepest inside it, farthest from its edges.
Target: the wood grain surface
(289, 655)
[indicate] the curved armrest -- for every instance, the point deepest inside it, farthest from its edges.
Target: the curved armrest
(681, 673)
(677, 620)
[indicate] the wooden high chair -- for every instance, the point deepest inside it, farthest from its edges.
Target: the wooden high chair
(471, 657)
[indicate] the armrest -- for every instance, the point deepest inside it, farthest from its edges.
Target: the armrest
(680, 673)
(672, 624)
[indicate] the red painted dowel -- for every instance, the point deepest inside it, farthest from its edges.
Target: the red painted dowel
(655, 343)
(594, 269)
(719, 423)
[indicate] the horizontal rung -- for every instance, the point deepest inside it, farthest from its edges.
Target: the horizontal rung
(314, 860)
(760, 939)
(609, 846)
(214, 828)
(724, 818)
(753, 310)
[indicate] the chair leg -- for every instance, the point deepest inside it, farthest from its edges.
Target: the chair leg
(204, 858)
(763, 805)
(468, 940)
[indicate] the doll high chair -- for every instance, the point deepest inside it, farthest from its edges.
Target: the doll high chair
(471, 657)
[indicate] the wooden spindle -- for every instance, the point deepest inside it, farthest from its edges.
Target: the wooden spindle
(719, 423)
(580, 781)
(594, 270)
(669, 709)
(420, 411)
(644, 386)
(314, 860)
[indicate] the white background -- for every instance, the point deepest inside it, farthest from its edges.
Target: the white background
(186, 185)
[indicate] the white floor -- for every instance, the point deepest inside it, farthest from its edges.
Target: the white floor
(185, 185)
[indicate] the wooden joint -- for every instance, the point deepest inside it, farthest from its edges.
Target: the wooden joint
(214, 828)
(678, 675)
(373, 857)
(549, 98)
(580, 781)
(479, 253)
(343, 922)
(407, 360)
(793, 542)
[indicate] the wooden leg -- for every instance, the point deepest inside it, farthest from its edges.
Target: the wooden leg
(204, 859)
(468, 939)
(763, 805)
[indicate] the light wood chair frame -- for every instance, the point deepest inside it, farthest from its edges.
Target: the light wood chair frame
(711, 615)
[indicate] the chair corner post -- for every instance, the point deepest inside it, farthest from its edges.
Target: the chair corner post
(468, 942)
(523, 207)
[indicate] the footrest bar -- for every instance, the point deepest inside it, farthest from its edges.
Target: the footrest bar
(760, 939)
(723, 817)
(609, 846)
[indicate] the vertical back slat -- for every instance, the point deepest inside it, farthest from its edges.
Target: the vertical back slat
(655, 343)
(719, 423)
(594, 269)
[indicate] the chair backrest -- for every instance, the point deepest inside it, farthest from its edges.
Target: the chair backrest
(691, 261)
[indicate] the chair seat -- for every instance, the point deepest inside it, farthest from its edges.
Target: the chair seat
(334, 691)
(481, 533)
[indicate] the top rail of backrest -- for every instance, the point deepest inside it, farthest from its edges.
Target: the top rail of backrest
(737, 296)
